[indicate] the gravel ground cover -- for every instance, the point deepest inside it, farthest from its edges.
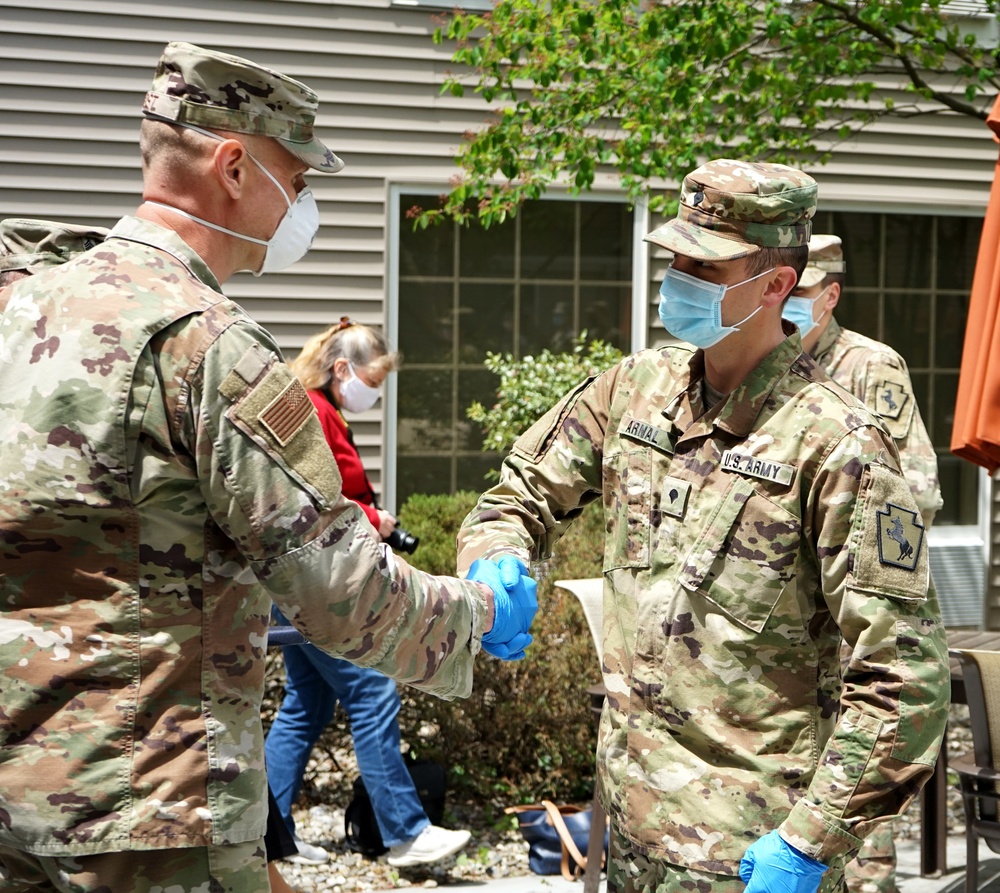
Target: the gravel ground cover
(491, 853)
(496, 850)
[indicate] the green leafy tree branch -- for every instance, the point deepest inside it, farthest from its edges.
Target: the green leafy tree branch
(647, 90)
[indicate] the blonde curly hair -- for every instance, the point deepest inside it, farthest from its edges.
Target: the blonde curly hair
(361, 345)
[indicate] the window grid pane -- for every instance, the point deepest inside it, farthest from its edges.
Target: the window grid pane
(907, 285)
(518, 288)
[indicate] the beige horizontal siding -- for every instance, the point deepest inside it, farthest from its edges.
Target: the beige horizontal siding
(72, 78)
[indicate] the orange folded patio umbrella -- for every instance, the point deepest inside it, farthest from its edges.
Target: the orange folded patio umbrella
(975, 434)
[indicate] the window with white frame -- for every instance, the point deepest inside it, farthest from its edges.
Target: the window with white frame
(907, 284)
(559, 267)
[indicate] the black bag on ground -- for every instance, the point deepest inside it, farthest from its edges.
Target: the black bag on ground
(360, 826)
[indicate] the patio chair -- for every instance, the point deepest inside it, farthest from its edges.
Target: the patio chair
(979, 770)
(590, 593)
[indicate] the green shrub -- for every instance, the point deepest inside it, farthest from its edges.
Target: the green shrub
(527, 730)
(436, 520)
(530, 386)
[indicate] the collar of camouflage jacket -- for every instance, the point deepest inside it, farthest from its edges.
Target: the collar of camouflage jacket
(133, 229)
(737, 415)
(828, 338)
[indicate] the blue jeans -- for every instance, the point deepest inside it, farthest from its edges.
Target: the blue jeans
(315, 682)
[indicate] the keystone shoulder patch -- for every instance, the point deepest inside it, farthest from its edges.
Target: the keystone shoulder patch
(890, 399)
(900, 536)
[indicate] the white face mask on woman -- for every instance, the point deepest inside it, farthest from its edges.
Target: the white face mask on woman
(355, 395)
(292, 237)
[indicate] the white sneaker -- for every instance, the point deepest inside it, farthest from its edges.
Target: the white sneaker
(308, 854)
(430, 845)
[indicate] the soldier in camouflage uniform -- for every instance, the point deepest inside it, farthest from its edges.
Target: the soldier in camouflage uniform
(756, 515)
(877, 375)
(28, 246)
(872, 371)
(164, 478)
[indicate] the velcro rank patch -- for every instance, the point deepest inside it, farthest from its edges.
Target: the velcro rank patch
(285, 415)
(675, 497)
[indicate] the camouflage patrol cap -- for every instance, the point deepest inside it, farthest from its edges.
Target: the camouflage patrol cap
(217, 91)
(30, 245)
(730, 209)
(826, 255)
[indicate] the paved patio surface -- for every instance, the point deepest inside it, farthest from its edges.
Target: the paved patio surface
(908, 875)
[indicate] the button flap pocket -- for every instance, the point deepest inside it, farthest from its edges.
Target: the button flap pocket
(708, 546)
(746, 557)
(627, 507)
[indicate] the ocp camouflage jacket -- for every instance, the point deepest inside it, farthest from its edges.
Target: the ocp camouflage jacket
(878, 376)
(742, 543)
(163, 478)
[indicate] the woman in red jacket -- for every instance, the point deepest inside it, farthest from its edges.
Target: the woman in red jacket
(343, 369)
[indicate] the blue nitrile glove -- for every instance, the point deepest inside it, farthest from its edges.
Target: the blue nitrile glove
(770, 865)
(514, 605)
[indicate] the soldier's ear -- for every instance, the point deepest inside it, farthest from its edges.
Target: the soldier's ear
(779, 285)
(230, 161)
(832, 297)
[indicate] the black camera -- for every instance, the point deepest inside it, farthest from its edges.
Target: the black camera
(402, 541)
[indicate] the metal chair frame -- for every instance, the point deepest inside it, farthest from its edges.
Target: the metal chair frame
(978, 771)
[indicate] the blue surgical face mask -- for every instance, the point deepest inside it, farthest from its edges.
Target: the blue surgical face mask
(800, 312)
(691, 308)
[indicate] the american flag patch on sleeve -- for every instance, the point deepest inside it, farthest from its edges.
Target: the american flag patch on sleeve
(285, 415)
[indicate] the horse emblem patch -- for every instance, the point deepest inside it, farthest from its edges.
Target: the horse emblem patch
(900, 536)
(890, 398)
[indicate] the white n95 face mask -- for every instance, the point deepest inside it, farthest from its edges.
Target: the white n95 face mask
(355, 395)
(294, 233)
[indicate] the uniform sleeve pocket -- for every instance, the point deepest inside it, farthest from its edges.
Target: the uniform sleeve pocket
(627, 506)
(890, 557)
(925, 693)
(278, 416)
(746, 555)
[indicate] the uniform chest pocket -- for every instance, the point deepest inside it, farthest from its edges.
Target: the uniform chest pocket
(746, 556)
(627, 507)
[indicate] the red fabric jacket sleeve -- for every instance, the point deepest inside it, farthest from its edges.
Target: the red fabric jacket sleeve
(352, 472)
